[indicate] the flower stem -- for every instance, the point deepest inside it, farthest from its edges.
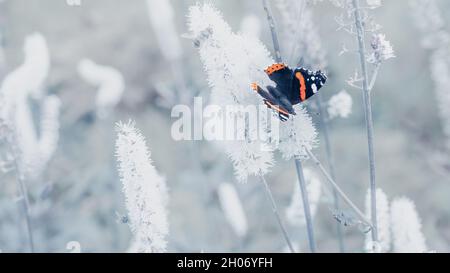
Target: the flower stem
(339, 191)
(278, 58)
(276, 213)
(276, 44)
(329, 154)
(306, 207)
(26, 210)
(25, 202)
(368, 115)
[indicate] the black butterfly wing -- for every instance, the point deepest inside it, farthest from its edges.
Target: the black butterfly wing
(307, 83)
(281, 74)
(272, 101)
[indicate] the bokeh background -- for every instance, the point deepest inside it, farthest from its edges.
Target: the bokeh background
(79, 196)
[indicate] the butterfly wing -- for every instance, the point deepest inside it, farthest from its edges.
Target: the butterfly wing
(283, 115)
(281, 74)
(307, 83)
(272, 102)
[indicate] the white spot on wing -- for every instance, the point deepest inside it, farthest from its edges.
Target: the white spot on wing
(314, 88)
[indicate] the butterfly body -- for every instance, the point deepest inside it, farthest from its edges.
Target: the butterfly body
(293, 86)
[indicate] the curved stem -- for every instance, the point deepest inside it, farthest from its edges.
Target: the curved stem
(329, 154)
(339, 191)
(276, 213)
(306, 207)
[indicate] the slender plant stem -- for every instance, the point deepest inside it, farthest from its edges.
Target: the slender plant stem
(26, 209)
(276, 44)
(276, 47)
(339, 191)
(276, 213)
(368, 115)
(297, 30)
(330, 160)
(25, 201)
(306, 207)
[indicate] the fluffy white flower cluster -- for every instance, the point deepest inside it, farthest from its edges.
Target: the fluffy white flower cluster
(381, 49)
(406, 227)
(145, 191)
(27, 81)
(162, 19)
(110, 84)
(399, 226)
(297, 135)
(340, 105)
(232, 62)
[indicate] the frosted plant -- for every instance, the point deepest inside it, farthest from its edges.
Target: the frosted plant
(298, 135)
(162, 19)
(406, 227)
(30, 149)
(436, 38)
(305, 151)
(35, 152)
(28, 78)
(381, 49)
(302, 43)
(232, 62)
(25, 82)
(384, 224)
(340, 105)
(232, 208)
(357, 21)
(145, 191)
(109, 81)
(440, 73)
(291, 134)
(49, 136)
(295, 212)
(6, 142)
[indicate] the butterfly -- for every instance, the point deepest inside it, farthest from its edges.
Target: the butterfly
(293, 86)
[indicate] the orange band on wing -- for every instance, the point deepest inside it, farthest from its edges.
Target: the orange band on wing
(274, 68)
(300, 77)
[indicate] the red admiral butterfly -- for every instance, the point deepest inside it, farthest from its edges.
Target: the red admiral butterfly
(292, 87)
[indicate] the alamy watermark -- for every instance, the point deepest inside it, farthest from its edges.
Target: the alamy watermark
(224, 123)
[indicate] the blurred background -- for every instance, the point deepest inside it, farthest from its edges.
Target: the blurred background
(78, 197)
